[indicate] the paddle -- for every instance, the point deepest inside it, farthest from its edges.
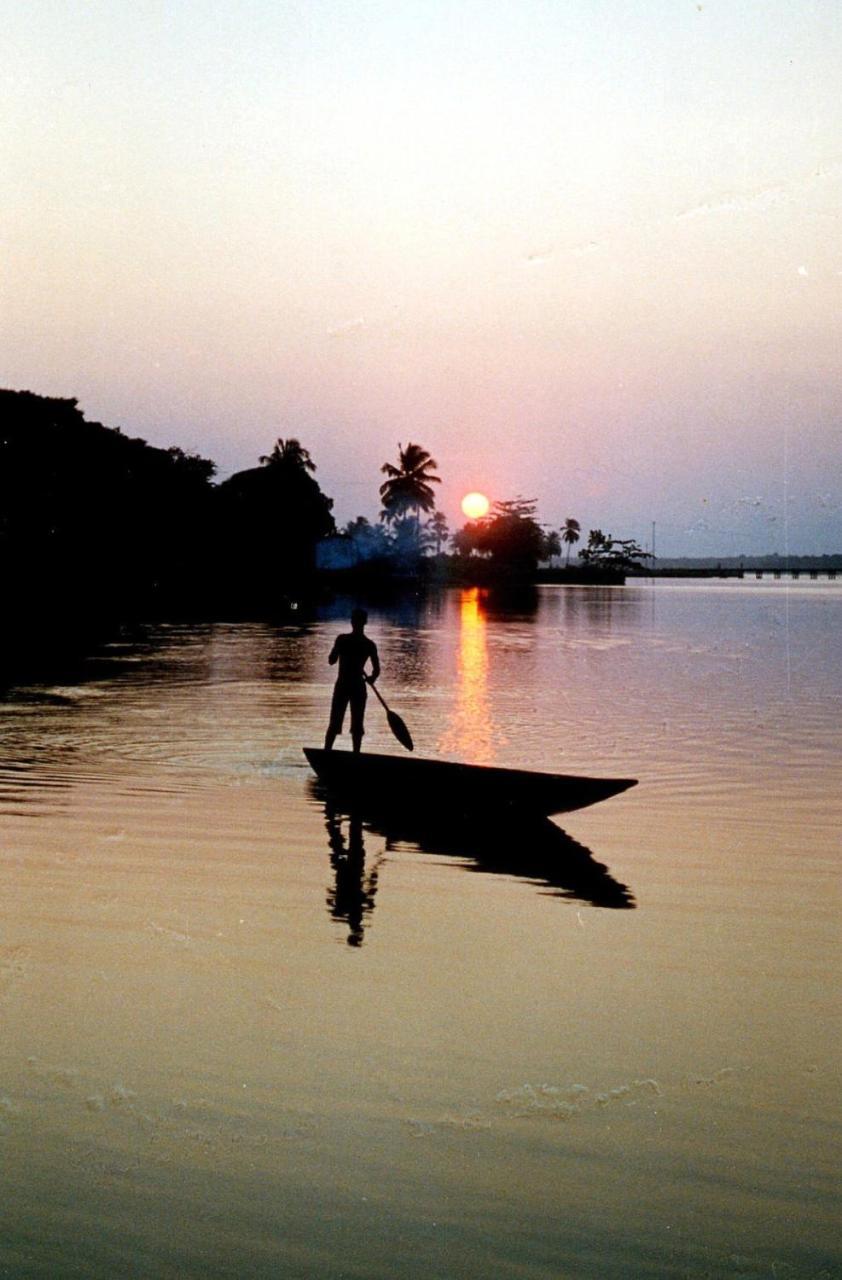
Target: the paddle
(397, 725)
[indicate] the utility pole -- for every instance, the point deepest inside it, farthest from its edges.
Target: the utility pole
(653, 544)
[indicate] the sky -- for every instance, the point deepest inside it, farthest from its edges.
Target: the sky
(583, 251)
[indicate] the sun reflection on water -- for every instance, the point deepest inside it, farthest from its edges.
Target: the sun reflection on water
(469, 735)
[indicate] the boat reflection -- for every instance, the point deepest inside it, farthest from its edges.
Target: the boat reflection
(531, 849)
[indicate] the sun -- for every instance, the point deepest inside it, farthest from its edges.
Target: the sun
(475, 505)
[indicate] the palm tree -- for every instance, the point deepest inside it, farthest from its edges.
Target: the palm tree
(570, 534)
(438, 531)
(408, 489)
(552, 545)
(288, 453)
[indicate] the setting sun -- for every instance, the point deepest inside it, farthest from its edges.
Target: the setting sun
(475, 505)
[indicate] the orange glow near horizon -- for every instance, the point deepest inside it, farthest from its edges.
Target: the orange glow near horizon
(475, 505)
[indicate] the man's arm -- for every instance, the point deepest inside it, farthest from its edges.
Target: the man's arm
(375, 663)
(334, 653)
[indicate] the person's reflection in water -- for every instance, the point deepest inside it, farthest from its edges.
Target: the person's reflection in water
(351, 897)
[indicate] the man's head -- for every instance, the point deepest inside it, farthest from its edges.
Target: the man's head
(358, 619)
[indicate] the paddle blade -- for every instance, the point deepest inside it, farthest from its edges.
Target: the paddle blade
(400, 730)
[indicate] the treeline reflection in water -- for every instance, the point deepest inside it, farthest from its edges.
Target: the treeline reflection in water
(531, 849)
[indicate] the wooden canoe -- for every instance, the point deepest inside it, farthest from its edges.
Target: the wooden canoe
(393, 782)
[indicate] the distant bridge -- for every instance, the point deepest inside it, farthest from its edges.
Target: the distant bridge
(720, 571)
(793, 573)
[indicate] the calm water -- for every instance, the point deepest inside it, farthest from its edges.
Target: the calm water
(230, 1048)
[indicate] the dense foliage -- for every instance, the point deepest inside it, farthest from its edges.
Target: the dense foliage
(510, 536)
(89, 515)
(96, 523)
(268, 521)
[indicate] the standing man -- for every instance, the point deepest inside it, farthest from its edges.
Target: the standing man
(352, 651)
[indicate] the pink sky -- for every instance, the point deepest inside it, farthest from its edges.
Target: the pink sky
(583, 252)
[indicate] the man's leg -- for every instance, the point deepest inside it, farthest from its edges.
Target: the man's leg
(337, 715)
(357, 717)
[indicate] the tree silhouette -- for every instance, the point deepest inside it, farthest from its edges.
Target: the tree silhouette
(96, 524)
(268, 521)
(510, 536)
(437, 530)
(408, 489)
(598, 544)
(613, 554)
(288, 453)
(369, 541)
(570, 535)
(552, 545)
(465, 540)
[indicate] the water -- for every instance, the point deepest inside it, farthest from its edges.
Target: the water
(230, 1050)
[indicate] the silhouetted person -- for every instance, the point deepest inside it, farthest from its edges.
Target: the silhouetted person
(352, 651)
